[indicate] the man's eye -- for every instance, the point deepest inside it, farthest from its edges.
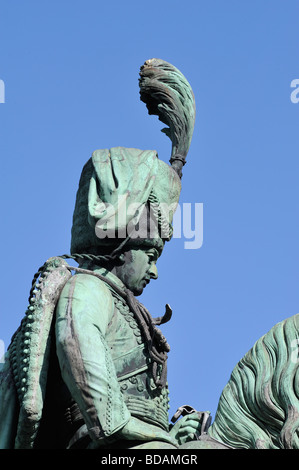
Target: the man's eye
(152, 256)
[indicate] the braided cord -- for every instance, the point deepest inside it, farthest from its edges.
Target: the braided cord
(156, 342)
(75, 256)
(164, 226)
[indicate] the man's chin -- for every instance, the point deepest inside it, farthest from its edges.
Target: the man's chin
(137, 291)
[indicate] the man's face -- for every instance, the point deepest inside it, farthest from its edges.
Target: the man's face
(138, 269)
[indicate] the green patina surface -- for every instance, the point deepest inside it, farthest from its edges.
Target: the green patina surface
(88, 366)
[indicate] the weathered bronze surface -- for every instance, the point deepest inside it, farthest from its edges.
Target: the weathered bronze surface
(88, 366)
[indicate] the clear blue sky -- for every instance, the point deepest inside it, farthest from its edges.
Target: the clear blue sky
(70, 70)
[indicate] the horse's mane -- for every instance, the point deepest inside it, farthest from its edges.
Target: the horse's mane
(259, 407)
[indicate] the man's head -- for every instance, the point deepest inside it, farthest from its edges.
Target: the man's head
(124, 192)
(138, 268)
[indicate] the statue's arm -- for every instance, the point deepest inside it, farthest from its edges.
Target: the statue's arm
(83, 313)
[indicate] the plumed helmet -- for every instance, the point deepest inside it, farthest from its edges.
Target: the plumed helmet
(124, 194)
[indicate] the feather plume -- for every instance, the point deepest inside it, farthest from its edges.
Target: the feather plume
(168, 94)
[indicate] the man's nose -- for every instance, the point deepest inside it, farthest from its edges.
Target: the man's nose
(153, 271)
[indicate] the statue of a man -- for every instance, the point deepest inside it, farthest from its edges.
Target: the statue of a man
(111, 356)
(106, 358)
(88, 366)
